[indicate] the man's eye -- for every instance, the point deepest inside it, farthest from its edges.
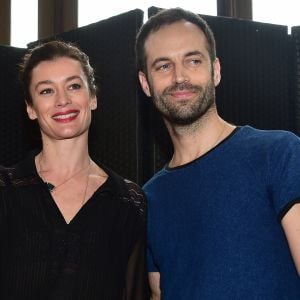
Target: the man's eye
(195, 61)
(163, 67)
(46, 91)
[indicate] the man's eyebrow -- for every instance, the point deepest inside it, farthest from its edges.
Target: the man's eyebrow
(165, 58)
(196, 52)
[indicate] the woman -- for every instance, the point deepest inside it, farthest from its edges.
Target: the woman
(70, 228)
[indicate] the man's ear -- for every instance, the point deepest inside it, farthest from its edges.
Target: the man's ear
(144, 83)
(30, 111)
(93, 103)
(217, 71)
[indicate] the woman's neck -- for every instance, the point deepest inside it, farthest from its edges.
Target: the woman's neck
(68, 155)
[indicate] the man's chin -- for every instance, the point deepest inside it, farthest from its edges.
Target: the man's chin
(183, 121)
(187, 118)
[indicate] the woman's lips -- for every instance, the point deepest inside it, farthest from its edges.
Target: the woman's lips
(66, 116)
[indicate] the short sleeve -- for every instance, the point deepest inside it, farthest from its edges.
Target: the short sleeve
(284, 173)
(150, 261)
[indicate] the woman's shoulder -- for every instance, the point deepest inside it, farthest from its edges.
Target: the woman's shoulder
(130, 192)
(133, 196)
(10, 178)
(4, 176)
(126, 190)
(19, 174)
(136, 195)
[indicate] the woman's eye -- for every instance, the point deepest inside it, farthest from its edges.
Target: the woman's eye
(45, 91)
(75, 86)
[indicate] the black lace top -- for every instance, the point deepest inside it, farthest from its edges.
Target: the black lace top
(99, 255)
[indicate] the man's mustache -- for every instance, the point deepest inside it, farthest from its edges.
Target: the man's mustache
(182, 86)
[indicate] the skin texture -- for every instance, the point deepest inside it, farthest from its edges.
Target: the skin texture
(59, 87)
(291, 226)
(181, 80)
(62, 104)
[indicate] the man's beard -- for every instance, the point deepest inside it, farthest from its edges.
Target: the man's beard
(185, 112)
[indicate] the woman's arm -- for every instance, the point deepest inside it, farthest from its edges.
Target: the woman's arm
(154, 281)
(291, 226)
(137, 286)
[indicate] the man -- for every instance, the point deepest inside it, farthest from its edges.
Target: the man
(224, 214)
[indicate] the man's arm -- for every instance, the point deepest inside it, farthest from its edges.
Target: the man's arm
(154, 281)
(291, 226)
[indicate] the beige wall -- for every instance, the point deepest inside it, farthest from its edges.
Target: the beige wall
(54, 16)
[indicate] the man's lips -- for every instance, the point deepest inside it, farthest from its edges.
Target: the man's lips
(182, 94)
(66, 116)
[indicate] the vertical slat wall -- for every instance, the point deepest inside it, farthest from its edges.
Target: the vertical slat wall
(260, 86)
(296, 73)
(13, 123)
(115, 134)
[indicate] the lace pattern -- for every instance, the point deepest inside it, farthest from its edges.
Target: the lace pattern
(7, 178)
(136, 197)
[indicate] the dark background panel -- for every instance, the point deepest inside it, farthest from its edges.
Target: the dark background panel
(260, 86)
(256, 74)
(296, 73)
(257, 81)
(13, 121)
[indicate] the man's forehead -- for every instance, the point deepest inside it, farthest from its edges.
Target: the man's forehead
(176, 38)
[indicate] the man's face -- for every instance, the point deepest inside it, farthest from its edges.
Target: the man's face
(180, 76)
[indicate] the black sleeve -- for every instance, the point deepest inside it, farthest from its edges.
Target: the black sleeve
(137, 285)
(136, 279)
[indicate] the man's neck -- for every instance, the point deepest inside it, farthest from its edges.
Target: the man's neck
(192, 141)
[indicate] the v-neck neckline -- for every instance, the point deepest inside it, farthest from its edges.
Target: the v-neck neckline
(114, 185)
(80, 213)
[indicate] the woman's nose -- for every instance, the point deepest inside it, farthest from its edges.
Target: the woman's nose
(62, 98)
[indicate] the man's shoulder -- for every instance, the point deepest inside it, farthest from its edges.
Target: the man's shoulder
(249, 131)
(251, 136)
(155, 179)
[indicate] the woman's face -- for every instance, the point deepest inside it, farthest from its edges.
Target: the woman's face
(61, 100)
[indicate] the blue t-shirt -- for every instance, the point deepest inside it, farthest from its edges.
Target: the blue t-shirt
(214, 228)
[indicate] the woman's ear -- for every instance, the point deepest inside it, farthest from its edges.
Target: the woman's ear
(93, 103)
(30, 111)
